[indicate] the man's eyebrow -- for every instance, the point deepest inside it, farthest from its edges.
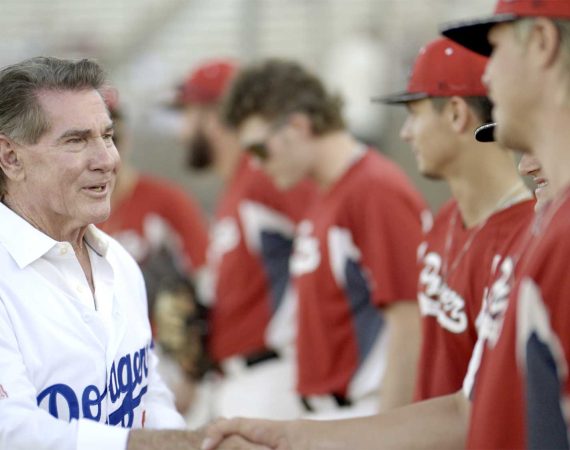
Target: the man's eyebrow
(76, 133)
(83, 133)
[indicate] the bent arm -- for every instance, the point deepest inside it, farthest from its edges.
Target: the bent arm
(403, 330)
(437, 423)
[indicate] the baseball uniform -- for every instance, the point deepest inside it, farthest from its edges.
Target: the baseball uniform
(456, 267)
(522, 383)
(354, 254)
(252, 321)
(76, 369)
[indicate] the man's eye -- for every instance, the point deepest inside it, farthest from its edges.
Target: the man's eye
(75, 141)
(108, 136)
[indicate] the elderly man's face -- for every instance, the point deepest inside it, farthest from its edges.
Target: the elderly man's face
(70, 172)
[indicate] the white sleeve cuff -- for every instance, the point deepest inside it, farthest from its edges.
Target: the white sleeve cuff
(93, 435)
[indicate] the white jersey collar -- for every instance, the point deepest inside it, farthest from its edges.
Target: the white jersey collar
(31, 244)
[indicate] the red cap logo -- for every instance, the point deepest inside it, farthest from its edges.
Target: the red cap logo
(445, 69)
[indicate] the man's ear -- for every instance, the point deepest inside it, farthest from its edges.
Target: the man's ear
(10, 160)
(458, 113)
(545, 39)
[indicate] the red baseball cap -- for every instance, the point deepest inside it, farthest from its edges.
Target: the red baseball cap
(442, 69)
(206, 84)
(473, 33)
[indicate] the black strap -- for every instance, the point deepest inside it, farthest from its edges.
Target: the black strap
(340, 400)
(260, 356)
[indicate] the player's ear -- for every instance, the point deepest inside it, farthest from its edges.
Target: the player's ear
(458, 113)
(544, 42)
(10, 158)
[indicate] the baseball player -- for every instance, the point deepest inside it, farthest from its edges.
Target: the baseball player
(474, 231)
(522, 385)
(527, 77)
(354, 257)
(435, 423)
(252, 317)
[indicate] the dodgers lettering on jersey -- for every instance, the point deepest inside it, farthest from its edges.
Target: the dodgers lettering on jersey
(436, 298)
(490, 320)
(495, 300)
(461, 268)
(127, 384)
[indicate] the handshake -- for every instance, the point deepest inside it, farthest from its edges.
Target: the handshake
(222, 434)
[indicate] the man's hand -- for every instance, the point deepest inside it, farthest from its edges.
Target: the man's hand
(184, 440)
(164, 439)
(268, 434)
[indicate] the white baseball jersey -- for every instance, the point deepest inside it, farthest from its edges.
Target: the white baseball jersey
(76, 370)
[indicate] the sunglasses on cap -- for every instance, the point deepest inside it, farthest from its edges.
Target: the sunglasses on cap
(258, 150)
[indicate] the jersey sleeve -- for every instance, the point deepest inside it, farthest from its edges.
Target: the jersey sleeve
(25, 426)
(388, 231)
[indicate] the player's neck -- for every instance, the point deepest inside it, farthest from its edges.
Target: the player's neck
(335, 153)
(486, 189)
(551, 148)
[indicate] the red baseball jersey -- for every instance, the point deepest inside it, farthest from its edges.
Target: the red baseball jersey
(251, 243)
(522, 384)
(354, 254)
(456, 266)
(158, 213)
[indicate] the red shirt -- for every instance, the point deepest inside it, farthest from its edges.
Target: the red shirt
(456, 266)
(522, 381)
(354, 253)
(159, 213)
(249, 256)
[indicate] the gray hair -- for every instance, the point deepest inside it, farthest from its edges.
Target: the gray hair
(22, 119)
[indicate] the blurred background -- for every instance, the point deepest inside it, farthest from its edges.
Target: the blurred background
(361, 48)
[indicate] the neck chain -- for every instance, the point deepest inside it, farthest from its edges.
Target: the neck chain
(510, 198)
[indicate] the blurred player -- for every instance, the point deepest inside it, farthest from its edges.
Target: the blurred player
(436, 423)
(472, 233)
(252, 316)
(354, 258)
(528, 78)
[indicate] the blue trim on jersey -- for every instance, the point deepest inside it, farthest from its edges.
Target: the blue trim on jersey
(275, 252)
(368, 319)
(546, 425)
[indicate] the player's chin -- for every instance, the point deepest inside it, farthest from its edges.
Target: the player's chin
(429, 173)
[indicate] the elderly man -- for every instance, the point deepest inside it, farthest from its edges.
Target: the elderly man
(77, 369)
